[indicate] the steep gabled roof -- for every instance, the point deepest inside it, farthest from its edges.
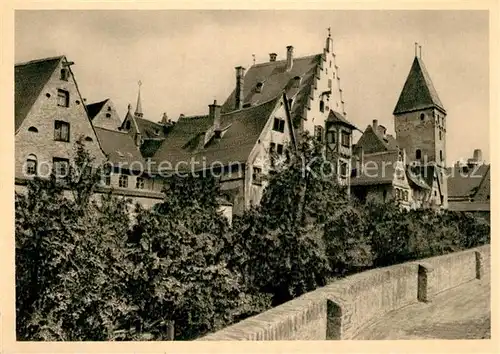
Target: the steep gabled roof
(275, 79)
(418, 91)
(30, 78)
(372, 141)
(94, 108)
(241, 132)
(120, 148)
(150, 129)
(336, 117)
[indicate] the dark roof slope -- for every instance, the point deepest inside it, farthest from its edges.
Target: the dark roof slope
(241, 131)
(120, 148)
(418, 91)
(336, 117)
(150, 129)
(150, 146)
(465, 182)
(94, 108)
(275, 79)
(378, 168)
(372, 141)
(30, 78)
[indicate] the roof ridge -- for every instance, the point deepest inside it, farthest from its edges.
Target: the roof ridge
(88, 104)
(111, 130)
(34, 61)
(276, 98)
(282, 61)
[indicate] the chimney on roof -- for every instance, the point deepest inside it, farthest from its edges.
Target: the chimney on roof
(164, 118)
(382, 130)
(375, 125)
(240, 73)
(289, 58)
(272, 56)
(478, 155)
(214, 111)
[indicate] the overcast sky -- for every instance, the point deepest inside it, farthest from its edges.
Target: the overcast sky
(186, 59)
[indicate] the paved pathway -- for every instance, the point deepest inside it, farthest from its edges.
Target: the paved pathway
(459, 313)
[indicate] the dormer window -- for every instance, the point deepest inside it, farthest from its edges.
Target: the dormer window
(64, 74)
(296, 81)
(127, 125)
(258, 87)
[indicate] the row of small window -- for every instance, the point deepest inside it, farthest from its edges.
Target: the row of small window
(61, 169)
(439, 119)
(123, 181)
(401, 194)
(331, 136)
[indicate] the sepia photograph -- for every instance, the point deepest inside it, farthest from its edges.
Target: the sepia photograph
(251, 175)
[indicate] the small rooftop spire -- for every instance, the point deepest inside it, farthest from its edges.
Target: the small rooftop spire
(329, 41)
(329, 31)
(253, 57)
(138, 108)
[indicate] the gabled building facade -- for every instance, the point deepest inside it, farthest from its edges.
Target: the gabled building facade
(50, 116)
(103, 115)
(237, 146)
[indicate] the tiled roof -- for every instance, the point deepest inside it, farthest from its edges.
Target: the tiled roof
(30, 78)
(336, 117)
(372, 141)
(418, 91)
(94, 108)
(119, 147)
(378, 168)
(466, 183)
(150, 146)
(150, 129)
(185, 140)
(275, 79)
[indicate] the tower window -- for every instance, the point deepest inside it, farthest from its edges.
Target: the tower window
(422, 116)
(440, 135)
(418, 154)
(330, 83)
(441, 155)
(322, 106)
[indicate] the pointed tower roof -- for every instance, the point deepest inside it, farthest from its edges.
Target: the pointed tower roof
(138, 108)
(418, 91)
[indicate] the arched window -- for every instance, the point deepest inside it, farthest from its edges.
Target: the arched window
(418, 154)
(31, 165)
(33, 130)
